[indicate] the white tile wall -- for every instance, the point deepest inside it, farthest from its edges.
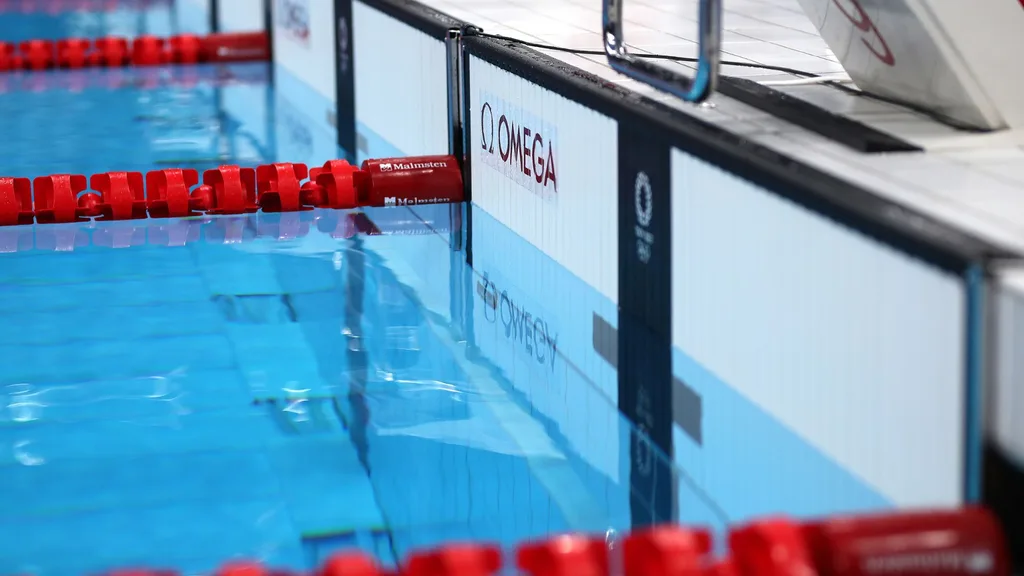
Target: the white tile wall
(971, 181)
(1006, 404)
(571, 385)
(240, 16)
(401, 90)
(857, 348)
(311, 60)
(576, 226)
(192, 16)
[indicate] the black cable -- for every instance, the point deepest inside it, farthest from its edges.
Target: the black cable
(475, 31)
(945, 120)
(542, 46)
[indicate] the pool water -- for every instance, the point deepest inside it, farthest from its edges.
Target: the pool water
(58, 19)
(176, 393)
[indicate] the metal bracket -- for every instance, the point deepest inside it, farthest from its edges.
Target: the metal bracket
(456, 98)
(455, 65)
(695, 89)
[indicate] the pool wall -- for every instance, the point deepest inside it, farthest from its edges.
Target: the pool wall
(829, 369)
(240, 15)
(525, 344)
(192, 16)
(738, 336)
(303, 44)
(1007, 401)
(1004, 457)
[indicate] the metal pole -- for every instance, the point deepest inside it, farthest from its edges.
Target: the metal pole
(456, 126)
(456, 136)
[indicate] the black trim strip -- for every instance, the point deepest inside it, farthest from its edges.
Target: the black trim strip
(1004, 494)
(467, 163)
(644, 163)
(687, 404)
(900, 227)
(467, 129)
(837, 127)
(214, 16)
(345, 79)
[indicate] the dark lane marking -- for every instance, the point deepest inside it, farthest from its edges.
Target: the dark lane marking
(687, 404)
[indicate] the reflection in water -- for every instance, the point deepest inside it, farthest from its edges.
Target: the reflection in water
(281, 386)
(24, 455)
(152, 400)
(361, 411)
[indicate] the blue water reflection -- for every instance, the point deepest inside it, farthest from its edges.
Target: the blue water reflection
(271, 378)
(179, 392)
(22, 20)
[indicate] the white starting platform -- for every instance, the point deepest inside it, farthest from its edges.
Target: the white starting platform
(815, 272)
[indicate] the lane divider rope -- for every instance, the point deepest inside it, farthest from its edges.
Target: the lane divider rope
(232, 189)
(901, 541)
(147, 50)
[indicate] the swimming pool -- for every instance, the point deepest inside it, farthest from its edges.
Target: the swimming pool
(176, 393)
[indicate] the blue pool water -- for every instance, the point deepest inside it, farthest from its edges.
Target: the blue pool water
(57, 19)
(175, 393)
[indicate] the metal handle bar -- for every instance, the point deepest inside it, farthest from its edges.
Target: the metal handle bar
(695, 89)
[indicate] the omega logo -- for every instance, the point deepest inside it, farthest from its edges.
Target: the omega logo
(523, 151)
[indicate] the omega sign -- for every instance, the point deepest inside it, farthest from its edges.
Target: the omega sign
(519, 145)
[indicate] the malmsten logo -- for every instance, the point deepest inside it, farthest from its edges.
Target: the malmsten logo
(392, 166)
(519, 145)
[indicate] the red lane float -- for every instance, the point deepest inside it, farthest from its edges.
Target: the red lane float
(935, 543)
(73, 53)
(280, 187)
(109, 53)
(239, 47)
(15, 201)
(408, 181)
(168, 192)
(7, 57)
(228, 190)
(568, 554)
(672, 550)
(349, 564)
(36, 54)
(146, 50)
(186, 49)
(56, 198)
(122, 196)
(461, 559)
(939, 543)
